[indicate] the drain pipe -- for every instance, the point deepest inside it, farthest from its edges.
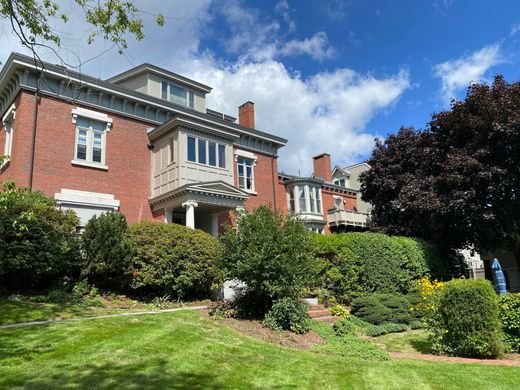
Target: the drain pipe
(274, 181)
(35, 123)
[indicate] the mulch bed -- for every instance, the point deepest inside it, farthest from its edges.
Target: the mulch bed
(255, 329)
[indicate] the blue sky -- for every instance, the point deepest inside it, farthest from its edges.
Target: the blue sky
(328, 75)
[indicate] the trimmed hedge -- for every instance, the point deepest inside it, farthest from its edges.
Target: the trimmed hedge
(389, 327)
(38, 242)
(467, 322)
(509, 312)
(174, 260)
(360, 263)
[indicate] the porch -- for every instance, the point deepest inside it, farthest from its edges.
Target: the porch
(199, 205)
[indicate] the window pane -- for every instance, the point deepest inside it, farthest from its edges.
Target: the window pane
(202, 151)
(99, 126)
(240, 170)
(212, 153)
(171, 150)
(192, 99)
(312, 198)
(82, 122)
(82, 145)
(221, 156)
(164, 90)
(96, 148)
(241, 182)
(178, 95)
(302, 200)
(191, 149)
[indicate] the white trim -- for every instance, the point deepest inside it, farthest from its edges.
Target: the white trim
(10, 114)
(76, 197)
(245, 154)
(89, 164)
(90, 114)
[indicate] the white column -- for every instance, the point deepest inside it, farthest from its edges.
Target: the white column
(190, 213)
(238, 211)
(214, 224)
(296, 194)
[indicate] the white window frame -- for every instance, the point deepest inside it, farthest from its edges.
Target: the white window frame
(207, 141)
(246, 156)
(98, 117)
(7, 123)
(190, 95)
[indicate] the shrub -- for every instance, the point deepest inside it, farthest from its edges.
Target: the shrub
(389, 327)
(466, 321)
(288, 314)
(339, 311)
(509, 311)
(56, 296)
(38, 241)
(174, 260)
(361, 263)
(271, 254)
(378, 309)
(108, 251)
(344, 327)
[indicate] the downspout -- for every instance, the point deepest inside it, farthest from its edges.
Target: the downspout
(35, 123)
(273, 177)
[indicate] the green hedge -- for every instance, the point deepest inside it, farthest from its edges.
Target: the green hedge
(108, 251)
(38, 242)
(358, 263)
(509, 311)
(467, 322)
(174, 260)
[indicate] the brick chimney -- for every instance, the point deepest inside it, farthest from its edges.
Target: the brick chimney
(322, 167)
(246, 115)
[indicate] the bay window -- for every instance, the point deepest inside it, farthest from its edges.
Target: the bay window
(205, 152)
(305, 199)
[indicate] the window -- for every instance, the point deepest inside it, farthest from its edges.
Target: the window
(221, 156)
(164, 90)
(177, 94)
(90, 141)
(318, 200)
(8, 126)
(291, 201)
(191, 149)
(171, 150)
(312, 197)
(212, 153)
(340, 182)
(245, 173)
(205, 152)
(301, 197)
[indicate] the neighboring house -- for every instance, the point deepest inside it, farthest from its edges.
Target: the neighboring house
(329, 200)
(142, 142)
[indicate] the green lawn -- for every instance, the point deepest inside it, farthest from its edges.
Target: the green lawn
(184, 350)
(413, 341)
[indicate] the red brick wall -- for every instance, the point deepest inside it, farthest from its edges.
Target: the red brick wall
(127, 156)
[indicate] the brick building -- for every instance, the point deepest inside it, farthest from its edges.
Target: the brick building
(144, 142)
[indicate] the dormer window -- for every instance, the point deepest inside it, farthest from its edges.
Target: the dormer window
(177, 94)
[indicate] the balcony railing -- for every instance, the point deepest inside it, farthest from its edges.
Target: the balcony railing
(337, 217)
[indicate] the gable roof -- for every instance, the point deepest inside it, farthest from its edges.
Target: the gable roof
(357, 165)
(341, 170)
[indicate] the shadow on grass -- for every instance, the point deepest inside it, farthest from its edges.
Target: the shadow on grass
(15, 312)
(156, 374)
(422, 345)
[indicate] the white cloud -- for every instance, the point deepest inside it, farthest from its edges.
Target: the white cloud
(316, 46)
(515, 28)
(282, 8)
(323, 112)
(456, 74)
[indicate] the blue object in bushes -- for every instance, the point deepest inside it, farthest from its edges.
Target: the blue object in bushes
(498, 277)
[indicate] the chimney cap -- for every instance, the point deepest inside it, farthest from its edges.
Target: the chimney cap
(320, 156)
(247, 104)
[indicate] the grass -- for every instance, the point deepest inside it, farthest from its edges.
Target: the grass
(413, 341)
(183, 350)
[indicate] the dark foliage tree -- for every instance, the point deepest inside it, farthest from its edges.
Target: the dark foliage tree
(457, 183)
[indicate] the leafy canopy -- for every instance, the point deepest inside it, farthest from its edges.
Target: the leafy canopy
(457, 183)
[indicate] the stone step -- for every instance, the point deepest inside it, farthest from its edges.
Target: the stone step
(316, 307)
(330, 319)
(319, 313)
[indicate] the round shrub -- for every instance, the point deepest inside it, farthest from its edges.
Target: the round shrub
(108, 251)
(288, 314)
(468, 320)
(509, 311)
(343, 327)
(174, 260)
(38, 242)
